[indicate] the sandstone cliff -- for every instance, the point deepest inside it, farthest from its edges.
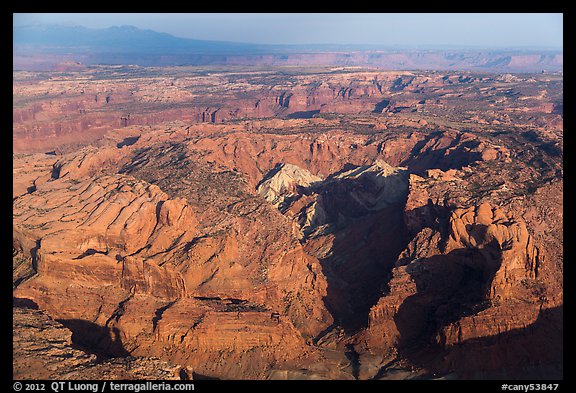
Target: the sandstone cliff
(349, 224)
(43, 349)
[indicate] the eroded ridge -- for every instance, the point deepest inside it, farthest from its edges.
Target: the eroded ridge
(388, 235)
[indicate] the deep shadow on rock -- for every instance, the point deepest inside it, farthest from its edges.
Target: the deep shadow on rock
(198, 377)
(456, 285)
(454, 155)
(24, 303)
(102, 341)
(449, 287)
(358, 269)
(534, 352)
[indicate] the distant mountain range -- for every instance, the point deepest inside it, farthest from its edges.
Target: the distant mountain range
(125, 39)
(43, 47)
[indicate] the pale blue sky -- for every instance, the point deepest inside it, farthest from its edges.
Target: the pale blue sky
(454, 29)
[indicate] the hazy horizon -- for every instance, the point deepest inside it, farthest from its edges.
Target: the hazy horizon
(493, 30)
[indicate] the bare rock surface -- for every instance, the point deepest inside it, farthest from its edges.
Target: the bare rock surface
(345, 224)
(43, 349)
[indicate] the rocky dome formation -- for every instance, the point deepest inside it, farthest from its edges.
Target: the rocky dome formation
(157, 261)
(283, 181)
(369, 188)
(398, 232)
(317, 205)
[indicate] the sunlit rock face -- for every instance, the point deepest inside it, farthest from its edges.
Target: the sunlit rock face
(332, 225)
